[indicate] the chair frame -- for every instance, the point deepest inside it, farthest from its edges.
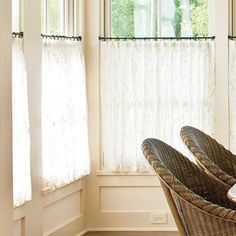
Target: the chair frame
(204, 161)
(221, 219)
(173, 208)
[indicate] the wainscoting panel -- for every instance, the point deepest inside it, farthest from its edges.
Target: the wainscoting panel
(62, 212)
(71, 229)
(135, 221)
(127, 203)
(132, 199)
(19, 227)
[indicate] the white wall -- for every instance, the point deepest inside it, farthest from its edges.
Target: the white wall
(125, 202)
(221, 69)
(103, 201)
(116, 202)
(62, 212)
(6, 212)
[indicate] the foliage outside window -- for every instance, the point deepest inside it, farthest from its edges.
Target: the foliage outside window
(150, 18)
(199, 16)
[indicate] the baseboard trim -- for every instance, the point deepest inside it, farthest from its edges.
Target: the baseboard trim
(82, 233)
(132, 230)
(171, 230)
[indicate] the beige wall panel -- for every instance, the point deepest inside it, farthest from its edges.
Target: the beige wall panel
(19, 228)
(50, 197)
(221, 70)
(134, 221)
(75, 227)
(62, 212)
(129, 180)
(6, 211)
(132, 199)
(32, 51)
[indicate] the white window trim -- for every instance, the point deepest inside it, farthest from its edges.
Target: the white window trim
(70, 17)
(232, 15)
(104, 30)
(20, 15)
(105, 23)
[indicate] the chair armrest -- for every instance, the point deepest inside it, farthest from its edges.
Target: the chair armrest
(232, 194)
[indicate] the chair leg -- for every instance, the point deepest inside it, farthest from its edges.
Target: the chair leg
(173, 209)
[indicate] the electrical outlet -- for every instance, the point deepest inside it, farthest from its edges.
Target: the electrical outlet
(158, 218)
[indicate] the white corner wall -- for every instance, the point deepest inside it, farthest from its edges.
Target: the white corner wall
(126, 202)
(116, 202)
(61, 212)
(6, 212)
(102, 201)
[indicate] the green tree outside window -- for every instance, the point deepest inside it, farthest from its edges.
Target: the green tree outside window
(122, 18)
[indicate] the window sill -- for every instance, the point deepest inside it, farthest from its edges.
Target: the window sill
(47, 190)
(109, 173)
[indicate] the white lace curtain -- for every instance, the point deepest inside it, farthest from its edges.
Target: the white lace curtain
(64, 113)
(152, 89)
(232, 96)
(21, 137)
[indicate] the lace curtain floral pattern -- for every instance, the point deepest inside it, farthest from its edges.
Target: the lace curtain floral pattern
(21, 136)
(232, 97)
(152, 89)
(64, 113)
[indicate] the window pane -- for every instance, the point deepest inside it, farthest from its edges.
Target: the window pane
(122, 18)
(43, 17)
(55, 14)
(184, 18)
(150, 18)
(145, 18)
(131, 18)
(15, 15)
(199, 17)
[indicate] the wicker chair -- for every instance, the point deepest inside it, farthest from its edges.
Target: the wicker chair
(210, 155)
(197, 201)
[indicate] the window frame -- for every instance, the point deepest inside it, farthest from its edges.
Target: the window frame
(232, 17)
(70, 13)
(105, 31)
(105, 28)
(106, 19)
(20, 17)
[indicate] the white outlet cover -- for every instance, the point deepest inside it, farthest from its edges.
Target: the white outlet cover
(158, 218)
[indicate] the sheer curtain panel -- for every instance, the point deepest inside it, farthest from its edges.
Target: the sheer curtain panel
(21, 136)
(152, 89)
(232, 95)
(64, 113)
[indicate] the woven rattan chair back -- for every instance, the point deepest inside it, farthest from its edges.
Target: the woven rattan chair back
(198, 201)
(210, 155)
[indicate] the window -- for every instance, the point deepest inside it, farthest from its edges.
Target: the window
(65, 151)
(150, 88)
(232, 17)
(16, 6)
(158, 18)
(20, 115)
(59, 17)
(127, 14)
